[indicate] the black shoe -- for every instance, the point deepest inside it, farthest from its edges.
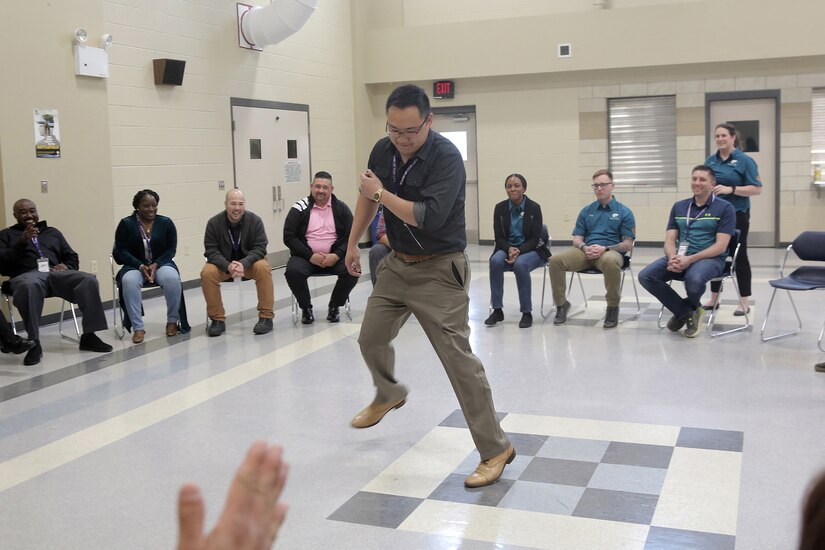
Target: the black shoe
(17, 345)
(333, 316)
(216, 328)
(526, 320)
(611, 319)
(90, 342)
(263, 326)
(708, 307)
(307, 318)
(34, 356)
(561, 313)
(741, 312)
(820, 367)
(675, 325)
(495, 317)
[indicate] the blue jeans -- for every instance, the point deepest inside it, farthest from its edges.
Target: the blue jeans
(524, 264)
(168, 279)
(654, 279)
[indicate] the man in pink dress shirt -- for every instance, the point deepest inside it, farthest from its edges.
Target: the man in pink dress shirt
(316, 232)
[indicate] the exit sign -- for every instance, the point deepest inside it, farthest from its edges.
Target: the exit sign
(443, 89)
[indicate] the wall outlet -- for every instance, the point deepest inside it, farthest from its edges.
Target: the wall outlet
(93, 266)
(44, 186)
(221, 185)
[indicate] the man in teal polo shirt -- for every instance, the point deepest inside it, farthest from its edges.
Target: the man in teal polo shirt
(604, 232)
(696, 245)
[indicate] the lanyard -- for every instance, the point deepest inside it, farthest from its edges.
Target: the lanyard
(235, 245)
(147, 240)
(702, 211)
(400, 184)
(37, 246)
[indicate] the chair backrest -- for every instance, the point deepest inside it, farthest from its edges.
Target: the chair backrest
(545, 240)
(809, 246)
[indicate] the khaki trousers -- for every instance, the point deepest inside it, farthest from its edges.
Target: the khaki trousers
(435, 291)
(573, 259)
(212, 277)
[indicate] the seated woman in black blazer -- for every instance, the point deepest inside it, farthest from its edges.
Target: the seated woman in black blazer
(145, 244)
(520, 248)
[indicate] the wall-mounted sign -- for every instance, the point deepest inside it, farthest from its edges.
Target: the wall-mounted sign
(46, 134)
(443, 89)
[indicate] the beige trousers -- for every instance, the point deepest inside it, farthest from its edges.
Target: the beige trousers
(212, 277)
(573, 259)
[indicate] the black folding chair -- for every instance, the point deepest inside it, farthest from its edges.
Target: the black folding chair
(809, 246)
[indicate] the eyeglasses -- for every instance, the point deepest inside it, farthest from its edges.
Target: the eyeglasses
(601, 185)
(408, 133)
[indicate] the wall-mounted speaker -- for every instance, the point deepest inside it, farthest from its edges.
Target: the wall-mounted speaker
(169, 71)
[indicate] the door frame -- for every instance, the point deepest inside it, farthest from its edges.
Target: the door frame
(752, 94)
(458, 110)
(266, 104)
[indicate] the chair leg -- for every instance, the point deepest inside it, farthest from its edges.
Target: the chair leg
(11, 314)
(712, 317)
(294, 310)
(544, 278)
(635, 293)
(120, 332)
(767, 316)
(74, 318)
(578, 311)
(348, 310)
(819, 342)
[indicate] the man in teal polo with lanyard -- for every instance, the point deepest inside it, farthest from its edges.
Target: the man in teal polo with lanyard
(696, 244)
(604, 233)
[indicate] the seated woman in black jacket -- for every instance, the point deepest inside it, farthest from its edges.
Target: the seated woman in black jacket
(520, 248)
(145, 244)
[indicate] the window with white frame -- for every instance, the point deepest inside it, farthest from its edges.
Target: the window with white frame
(642, 141)
(818, 134)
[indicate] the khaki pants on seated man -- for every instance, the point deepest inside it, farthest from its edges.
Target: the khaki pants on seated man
(573, 259)
(212, 276)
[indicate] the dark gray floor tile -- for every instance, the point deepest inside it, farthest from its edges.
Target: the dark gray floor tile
(526, 444)
(663, 538)
(562, 472)
(718, 440)
(636, 454)
(547, 498)
(616, 506)
(452, 489)
(376, 509)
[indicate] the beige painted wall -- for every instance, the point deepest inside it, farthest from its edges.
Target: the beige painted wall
(549, 123)
(177, 139)
(38, 72)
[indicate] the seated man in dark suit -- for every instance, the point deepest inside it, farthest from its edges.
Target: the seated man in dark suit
(316, 231)
(41, 264)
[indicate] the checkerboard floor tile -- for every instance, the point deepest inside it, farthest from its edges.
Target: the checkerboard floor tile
(575, 483)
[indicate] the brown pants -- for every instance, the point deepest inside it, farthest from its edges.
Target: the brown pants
(573, 259)
(212, 277)
(435, 291)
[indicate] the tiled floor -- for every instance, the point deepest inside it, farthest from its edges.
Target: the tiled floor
(626, 438)
(645, 478)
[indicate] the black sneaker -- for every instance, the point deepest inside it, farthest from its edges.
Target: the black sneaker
(693, 323)
(308, 318)
(333, 315)
(34, 356)
(561, 314)
(611, 319)
(17, 345)
(526, 320)
(263, 326)
(216, 328)
(496, 316)
(675, 325)
(90, 342)
(820, 367)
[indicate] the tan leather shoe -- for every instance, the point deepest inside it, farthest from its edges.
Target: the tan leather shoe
(138, 335)
(490, 470)
(171, 329)
(374, 412)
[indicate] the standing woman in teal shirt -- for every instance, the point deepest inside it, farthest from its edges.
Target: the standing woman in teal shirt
(737, 180)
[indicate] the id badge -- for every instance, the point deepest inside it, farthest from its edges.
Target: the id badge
(43, 265)
(682, 249)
